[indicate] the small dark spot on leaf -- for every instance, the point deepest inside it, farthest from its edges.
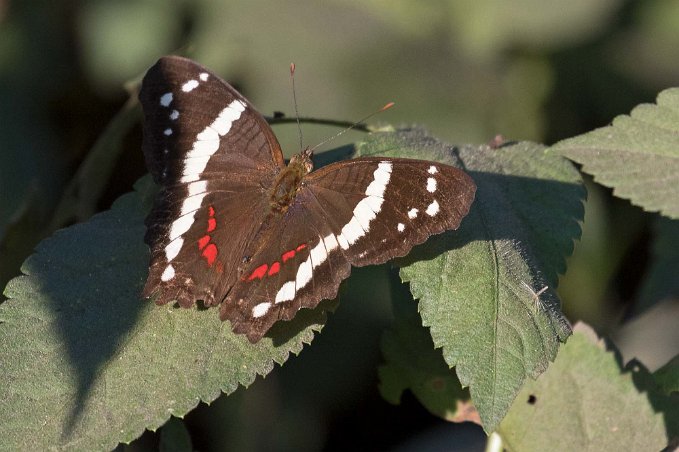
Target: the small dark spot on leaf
(532, 400)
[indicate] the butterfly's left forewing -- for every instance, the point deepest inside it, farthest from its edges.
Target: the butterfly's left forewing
(214, 157)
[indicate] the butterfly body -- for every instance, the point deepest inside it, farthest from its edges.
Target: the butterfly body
(234, 226)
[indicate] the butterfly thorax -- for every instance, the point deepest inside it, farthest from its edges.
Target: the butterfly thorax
(289, 181)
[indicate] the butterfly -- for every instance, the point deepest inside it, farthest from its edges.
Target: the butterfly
(234, 225)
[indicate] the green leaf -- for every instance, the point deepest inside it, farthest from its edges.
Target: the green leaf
(661, 281)
(87, 364)
(587, 398)
(413, 363)
(638, 156)
(667, 376)
(479, 287)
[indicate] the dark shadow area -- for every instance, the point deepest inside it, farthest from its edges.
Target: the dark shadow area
(93, 309)
(646, 385)
(283, 331)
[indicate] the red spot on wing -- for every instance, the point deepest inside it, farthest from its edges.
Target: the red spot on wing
(275, 268)
(210, 254)
(288, 255)
(259, 272)
(209, 249)
(203, 241)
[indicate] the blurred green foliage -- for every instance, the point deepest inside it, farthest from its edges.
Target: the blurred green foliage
(541, 70)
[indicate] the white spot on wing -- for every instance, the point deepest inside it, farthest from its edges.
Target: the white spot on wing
(197, 187)
(432, 170)
(374, 202)
(166, 99)
(260, 309)
(168, 273)
(204, 148)
(286, 292)
(208, 134)
(412, 213)
(431, 185)
(195, 165)
(173, 248)
(433, 208)
(364, 214)
(192, 203)
(353, 231)
(401, 227)
(330, 242)
(381, 178)
(203, 76)
(304, 274)
(189, 178)
(189, 86)
(167, 132)
(222, 124)
(174, 115)
(368, 208)
(318, 254)
(207, 141)
(343, 242)
(180, 226)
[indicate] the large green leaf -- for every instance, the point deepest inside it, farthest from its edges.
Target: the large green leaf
(587, 398)
(638, 155)
(481, 287)
(87, 364)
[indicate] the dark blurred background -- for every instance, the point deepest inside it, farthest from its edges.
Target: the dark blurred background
(538, 70)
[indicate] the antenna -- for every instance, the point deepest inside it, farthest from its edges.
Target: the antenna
(299, 127)
(294, 101)
(342, 132)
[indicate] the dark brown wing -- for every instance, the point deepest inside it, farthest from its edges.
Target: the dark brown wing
(214, 156)
(359, 212)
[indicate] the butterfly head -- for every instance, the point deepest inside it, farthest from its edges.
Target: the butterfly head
(303, 160)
